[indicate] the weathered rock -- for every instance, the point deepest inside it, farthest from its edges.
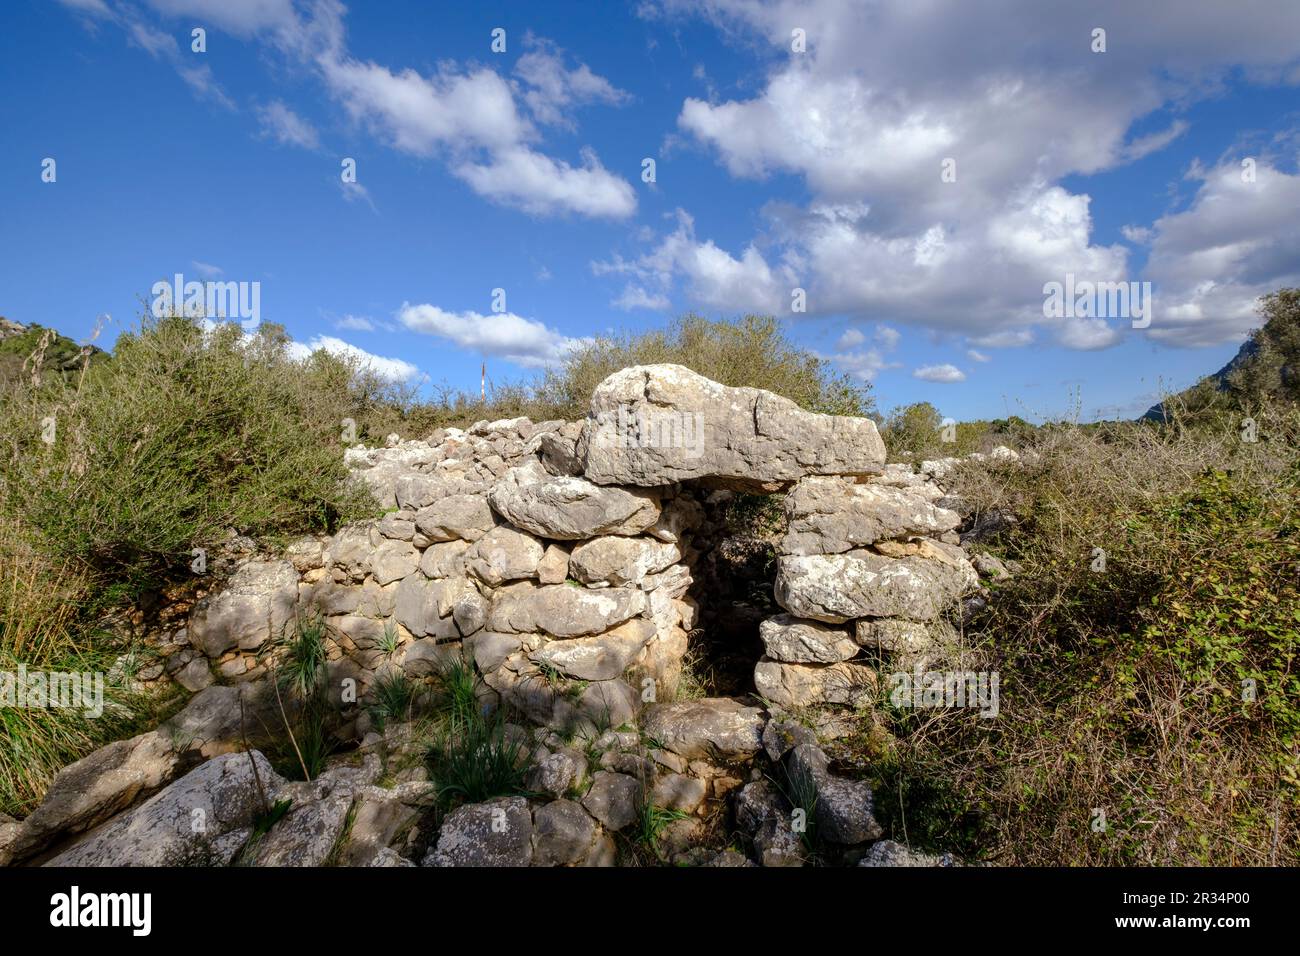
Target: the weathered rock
(491, 649)
(255, 606)
(889, 853)
(424, 607)
(555, 774)
(202, 819)
(602, 657)
(782, 736)
(554, 566)
(568, 508)
(894, 636)
(393, 560)
(91, 790)
(805, 685)
(561, 610)
(380, 818)
(614, 799)
(675, 791)
(833, 515)
(618, 561)
(704, 728)
(789, 639)
(426, 657)
(306, 834)
(496, 833)
(563, 834)
(840, 587)
(658, 424)
(195, 675)
(504, 554)
(222, 719)
(445, 559)
(466, 517)
(470, 612)
(844, 808)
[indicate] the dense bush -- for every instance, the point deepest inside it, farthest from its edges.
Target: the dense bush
(1159, 687)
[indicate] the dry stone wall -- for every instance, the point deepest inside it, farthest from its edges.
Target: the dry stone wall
(555, 556)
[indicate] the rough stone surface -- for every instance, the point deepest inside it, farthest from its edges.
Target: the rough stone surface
(561, 610)
(840, 587)
(705, 728)
(568, 508)
(602, 657)
(614, 799)
(806, 685)
(504, 554)
(658, 424)
(844, 808)
(202, 819)
(466, 517)
(618, 561)
(789, 639)
(255, 605)
(93, 789)
(889, 853)
(563, 834)
(496, 833)
(832, 515)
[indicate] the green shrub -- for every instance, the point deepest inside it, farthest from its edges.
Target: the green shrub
(1122, 682)
(752, 351)
(184, 434)
(474, 759)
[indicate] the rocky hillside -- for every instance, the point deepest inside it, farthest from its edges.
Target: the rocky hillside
(57, 353)
(556, 570)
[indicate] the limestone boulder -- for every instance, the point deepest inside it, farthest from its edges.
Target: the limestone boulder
(835, 588)
(833, 515)
(654, 425)
(504, 554)
(600, 657)
(618, 561)
(562, 610)
(790, 639)
(495, 833)
(204, 818)
(706, 727)
(806, 685)
(567, 508)
(256, 605)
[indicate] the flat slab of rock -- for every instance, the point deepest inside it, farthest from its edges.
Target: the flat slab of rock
(561, 610)
(602, 657)
(790, 639)
(202, 819)
(255, 605)
(614, 799)
(618, 561)
(841, 587)
(496, 833)
(90, 791)
(705, 728)
(658, 424)
(566, 508)
(805, 685)
(832, 515)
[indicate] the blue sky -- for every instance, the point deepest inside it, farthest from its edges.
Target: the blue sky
(775, 169)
